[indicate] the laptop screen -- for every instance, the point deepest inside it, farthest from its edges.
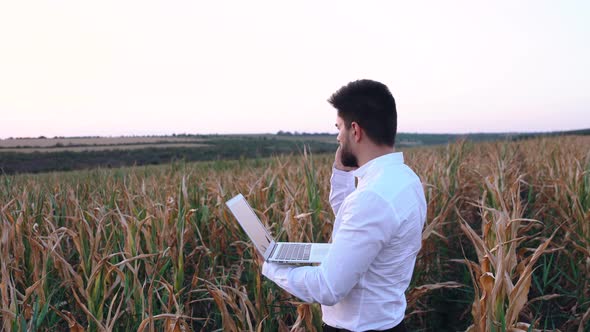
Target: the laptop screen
(250, 222)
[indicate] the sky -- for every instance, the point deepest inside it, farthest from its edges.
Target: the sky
(111, 68)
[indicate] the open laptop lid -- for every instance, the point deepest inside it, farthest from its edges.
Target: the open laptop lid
(250, 223)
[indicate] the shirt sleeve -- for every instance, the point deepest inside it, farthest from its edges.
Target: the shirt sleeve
(341, 185)
(367, 225)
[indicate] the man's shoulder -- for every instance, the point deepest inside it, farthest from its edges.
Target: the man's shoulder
(392, 182)
(362, 195)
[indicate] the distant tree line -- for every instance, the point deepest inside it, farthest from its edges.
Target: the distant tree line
(296, 133)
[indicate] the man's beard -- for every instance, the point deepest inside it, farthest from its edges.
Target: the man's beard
(348, 159)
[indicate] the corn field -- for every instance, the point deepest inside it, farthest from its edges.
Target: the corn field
(506, 245)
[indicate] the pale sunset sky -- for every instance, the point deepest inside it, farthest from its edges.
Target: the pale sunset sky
(110, 68)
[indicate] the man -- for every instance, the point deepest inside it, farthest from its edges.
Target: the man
(378, 226)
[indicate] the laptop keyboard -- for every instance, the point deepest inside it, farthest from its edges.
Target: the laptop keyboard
(294, 251)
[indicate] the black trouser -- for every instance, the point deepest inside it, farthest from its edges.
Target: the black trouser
(401, 327)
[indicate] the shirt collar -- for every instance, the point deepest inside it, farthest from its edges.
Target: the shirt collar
(390, 158)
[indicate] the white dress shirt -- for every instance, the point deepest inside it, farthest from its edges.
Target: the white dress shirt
(375, 240)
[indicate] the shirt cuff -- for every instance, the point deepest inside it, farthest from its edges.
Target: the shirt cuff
(277, 272)
(340, 173)
(342, 178)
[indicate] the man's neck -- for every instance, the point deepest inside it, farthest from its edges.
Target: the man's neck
(373, 151)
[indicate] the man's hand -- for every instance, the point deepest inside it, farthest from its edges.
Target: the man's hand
(338, 162)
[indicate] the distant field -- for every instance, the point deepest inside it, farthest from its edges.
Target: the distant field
(98, 141)
(76, 148)
(127, 152)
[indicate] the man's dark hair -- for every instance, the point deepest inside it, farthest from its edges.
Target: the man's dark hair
(371, 105)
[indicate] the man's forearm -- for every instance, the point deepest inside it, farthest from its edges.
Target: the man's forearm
(342, 184)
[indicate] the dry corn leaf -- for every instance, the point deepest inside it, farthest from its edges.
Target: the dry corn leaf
(519, 295)
(72, 323)
(303, 215)
(227, 320)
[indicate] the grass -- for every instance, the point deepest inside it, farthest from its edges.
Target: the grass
(506, 244)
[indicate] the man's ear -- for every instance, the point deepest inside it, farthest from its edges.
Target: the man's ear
(357, 131)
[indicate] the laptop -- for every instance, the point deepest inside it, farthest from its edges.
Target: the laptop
(272, 251)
